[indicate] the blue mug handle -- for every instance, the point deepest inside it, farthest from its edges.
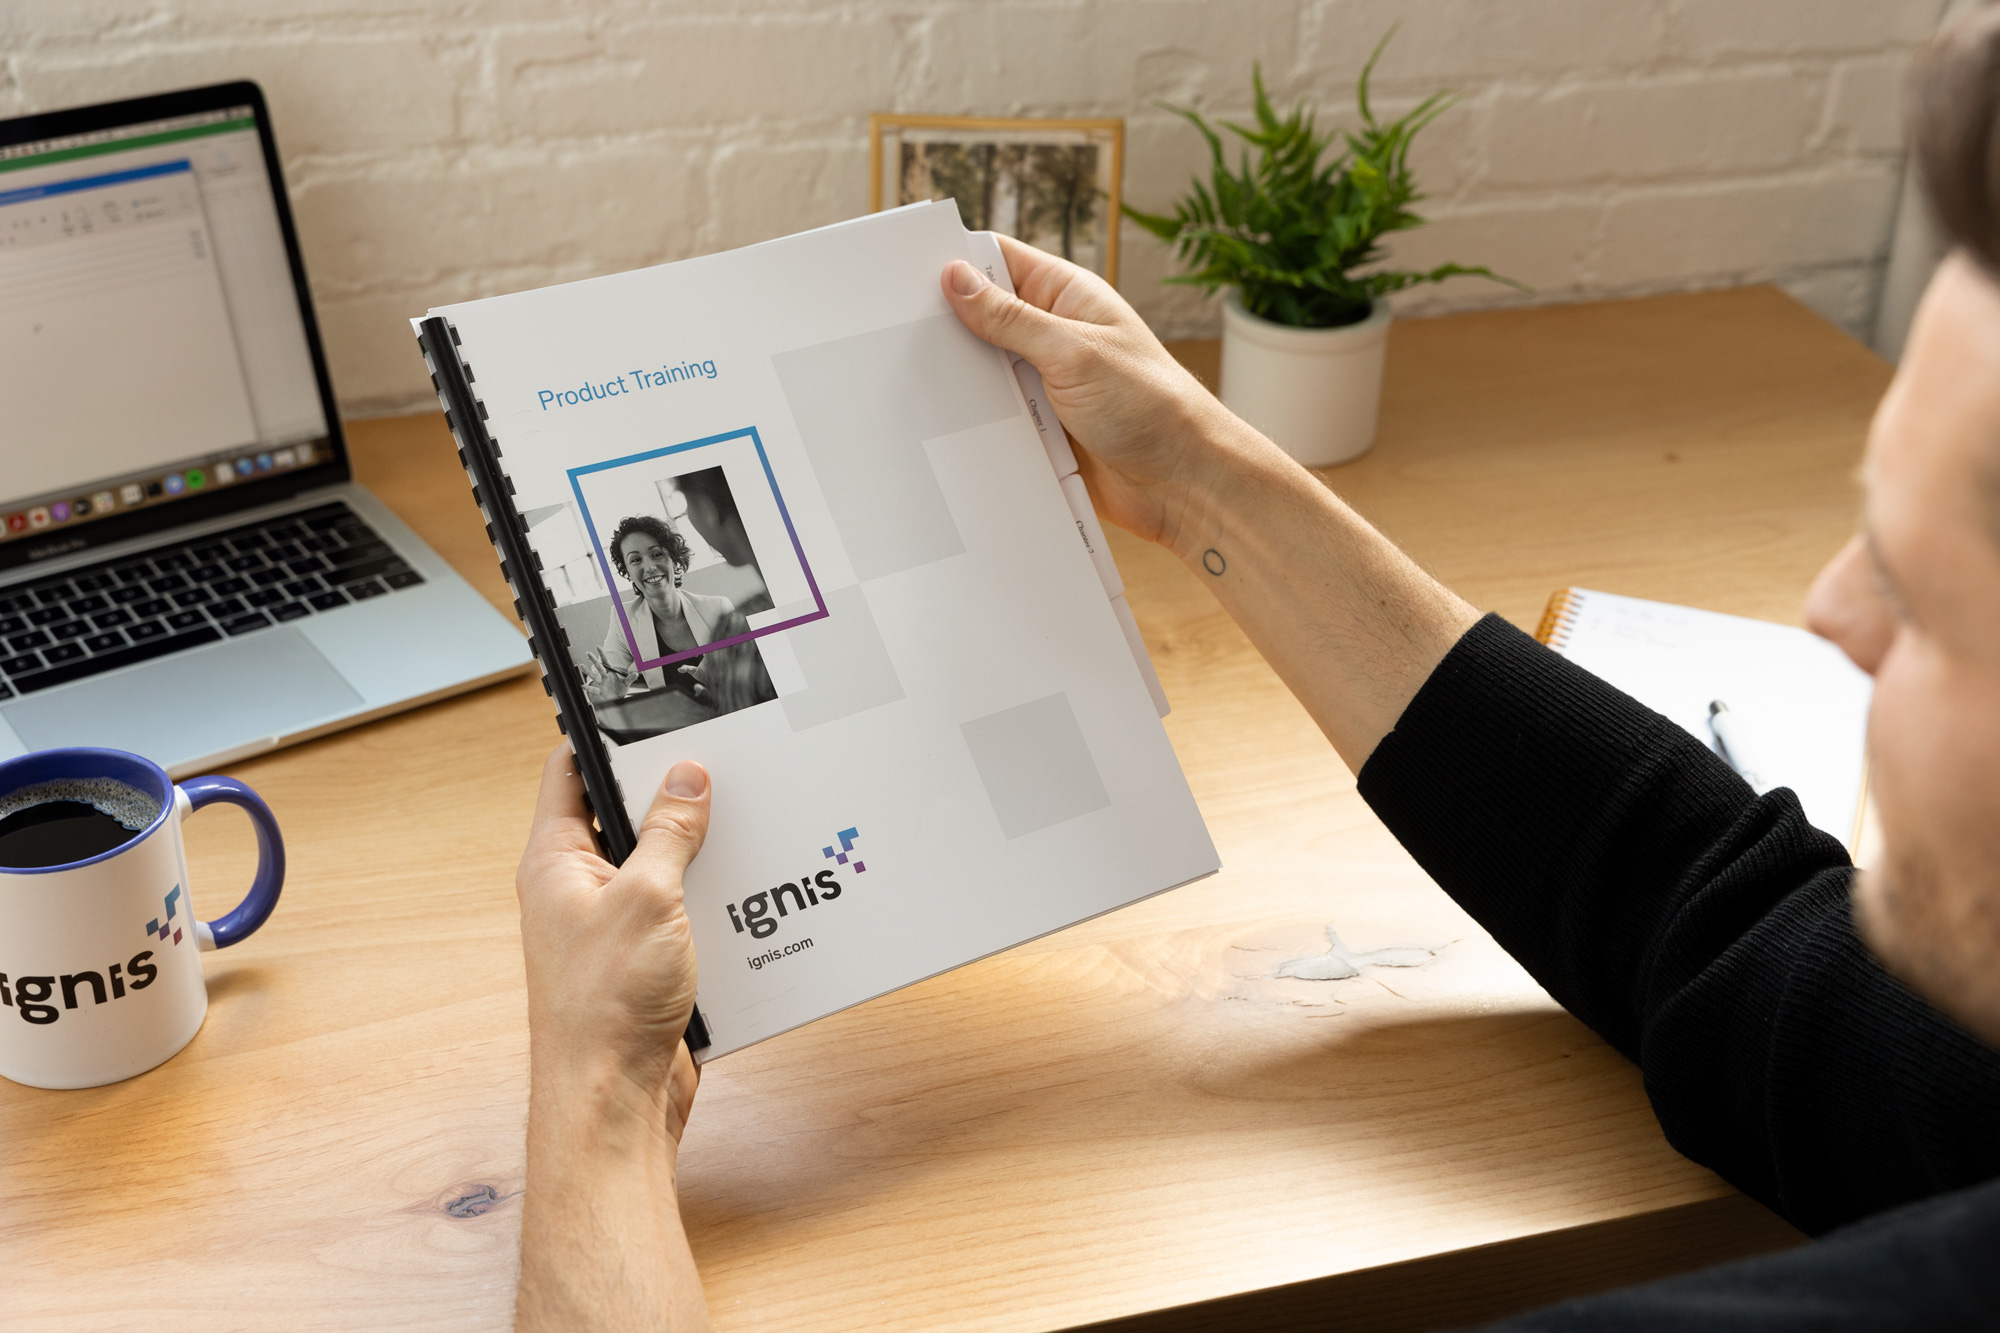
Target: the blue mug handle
(256, 906)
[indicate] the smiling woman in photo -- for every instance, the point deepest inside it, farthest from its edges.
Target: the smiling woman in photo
(665, 617)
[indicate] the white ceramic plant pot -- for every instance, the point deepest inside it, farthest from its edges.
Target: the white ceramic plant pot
(1315, 392)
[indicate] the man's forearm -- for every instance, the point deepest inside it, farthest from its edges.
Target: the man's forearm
(602, 1246)
(1351, 624)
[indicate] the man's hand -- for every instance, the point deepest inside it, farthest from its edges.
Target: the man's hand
(611, 982)
(1350, 623)
(1152, 436)
(611, 970)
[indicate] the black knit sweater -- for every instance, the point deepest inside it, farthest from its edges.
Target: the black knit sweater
(1704, 931)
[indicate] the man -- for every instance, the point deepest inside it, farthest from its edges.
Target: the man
(1701, 929)
(711, 511)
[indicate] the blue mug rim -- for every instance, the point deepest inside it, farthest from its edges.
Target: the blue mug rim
(88, 762)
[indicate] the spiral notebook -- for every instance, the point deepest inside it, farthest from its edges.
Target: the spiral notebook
(1801, 703)
(777, 511)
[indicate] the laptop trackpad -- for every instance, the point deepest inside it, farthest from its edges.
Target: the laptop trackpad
(184, 708)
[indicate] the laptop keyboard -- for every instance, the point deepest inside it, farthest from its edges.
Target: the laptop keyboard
(186, 594)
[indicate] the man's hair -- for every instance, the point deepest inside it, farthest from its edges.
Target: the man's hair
(1955, 132)
(677, 547)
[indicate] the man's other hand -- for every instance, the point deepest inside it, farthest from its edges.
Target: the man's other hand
(1152, 438)
(610, 986)
(610, 955)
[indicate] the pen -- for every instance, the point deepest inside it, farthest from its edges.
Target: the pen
(1729, 736)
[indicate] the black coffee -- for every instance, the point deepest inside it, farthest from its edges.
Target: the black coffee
(58, 832)
(55, 823)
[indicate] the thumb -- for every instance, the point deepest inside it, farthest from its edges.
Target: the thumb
(676, 824)
(1005, 321)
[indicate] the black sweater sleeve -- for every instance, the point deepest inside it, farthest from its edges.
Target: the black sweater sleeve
(1702, 930)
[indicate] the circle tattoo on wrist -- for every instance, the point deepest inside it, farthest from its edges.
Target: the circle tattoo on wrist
(1212, 561)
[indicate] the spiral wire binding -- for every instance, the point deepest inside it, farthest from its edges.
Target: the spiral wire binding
(615, 836)
(1565, 605)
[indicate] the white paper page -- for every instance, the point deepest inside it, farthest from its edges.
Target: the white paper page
(1803, 705)
(954, 690)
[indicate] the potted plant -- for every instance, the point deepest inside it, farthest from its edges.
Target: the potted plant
(1286, 233)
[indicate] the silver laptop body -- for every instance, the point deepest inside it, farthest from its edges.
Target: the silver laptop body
(187, 569)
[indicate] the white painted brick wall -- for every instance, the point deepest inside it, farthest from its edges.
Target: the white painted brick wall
(438, 151)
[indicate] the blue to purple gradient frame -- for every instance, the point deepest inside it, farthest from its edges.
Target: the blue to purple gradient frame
(611, 573)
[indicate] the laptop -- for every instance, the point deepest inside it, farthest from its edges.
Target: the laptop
(187, 569)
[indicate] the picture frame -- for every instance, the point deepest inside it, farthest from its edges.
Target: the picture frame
(1054, 183)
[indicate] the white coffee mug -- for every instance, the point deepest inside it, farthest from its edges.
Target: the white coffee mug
(100, 974)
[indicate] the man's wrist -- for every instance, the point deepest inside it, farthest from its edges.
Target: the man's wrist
(602, 1245)
(1224, 455)
(590, 1097)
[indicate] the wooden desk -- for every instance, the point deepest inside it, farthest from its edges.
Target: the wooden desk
(1130, 1116)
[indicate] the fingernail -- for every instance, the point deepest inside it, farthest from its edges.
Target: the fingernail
(965, 279)
(687, 780)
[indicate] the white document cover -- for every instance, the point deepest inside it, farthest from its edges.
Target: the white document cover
(929, 738)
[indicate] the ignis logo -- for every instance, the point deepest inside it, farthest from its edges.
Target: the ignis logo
(160, 928)
(755, 913)
(30, 995)
(847, 837)
(808, 892)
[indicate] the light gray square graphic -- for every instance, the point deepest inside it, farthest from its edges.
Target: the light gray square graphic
(864, 406)
(844, 661)
(1037, 770)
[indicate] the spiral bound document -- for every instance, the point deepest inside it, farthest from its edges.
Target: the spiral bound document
(777, 511)
(1802, 706)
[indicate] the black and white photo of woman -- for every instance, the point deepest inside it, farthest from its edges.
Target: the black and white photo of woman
(665, 617)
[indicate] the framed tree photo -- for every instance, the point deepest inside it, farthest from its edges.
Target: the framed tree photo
(1051, 183)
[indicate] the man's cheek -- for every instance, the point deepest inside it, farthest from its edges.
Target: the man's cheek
(1906, 786)
(1894, 782)
(1931, 908)
(1929, 756)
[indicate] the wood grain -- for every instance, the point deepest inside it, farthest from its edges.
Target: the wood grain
(1133, 1116)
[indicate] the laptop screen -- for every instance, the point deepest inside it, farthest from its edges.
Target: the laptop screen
(153, 345)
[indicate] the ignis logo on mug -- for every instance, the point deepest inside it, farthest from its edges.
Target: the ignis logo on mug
(30, 996)
(33, 993)
(90, 853)
(157, 927)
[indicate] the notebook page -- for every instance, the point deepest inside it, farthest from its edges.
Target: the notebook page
(1801, 703)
